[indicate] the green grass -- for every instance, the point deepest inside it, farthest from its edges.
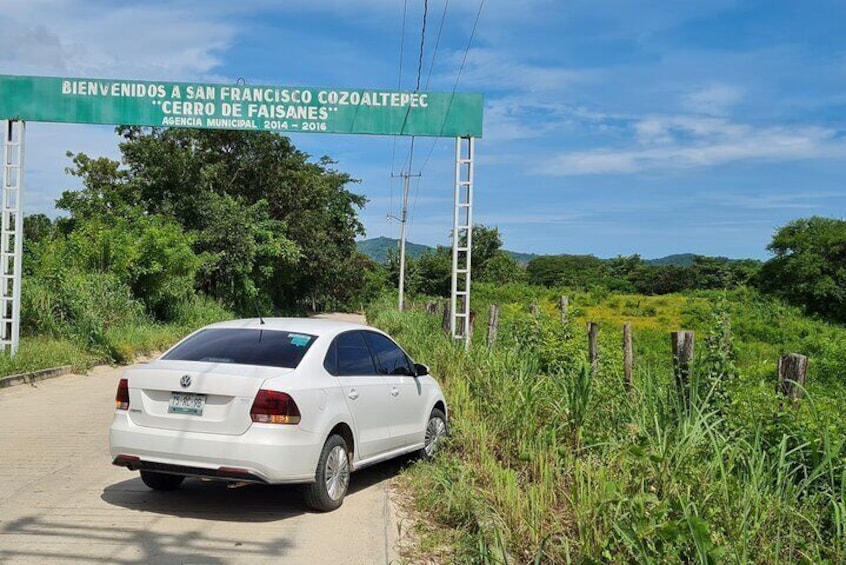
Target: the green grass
(119, 341)
(548, 463)
(43, 353)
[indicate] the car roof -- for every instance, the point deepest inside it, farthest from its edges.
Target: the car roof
(313, 326)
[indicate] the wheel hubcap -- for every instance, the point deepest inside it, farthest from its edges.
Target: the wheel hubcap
(337, 474)
(435, 430)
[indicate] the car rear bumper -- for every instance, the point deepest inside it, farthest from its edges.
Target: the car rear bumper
(265, 453)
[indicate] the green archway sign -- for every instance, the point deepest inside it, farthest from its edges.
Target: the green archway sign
(231, 107)
(240, 106)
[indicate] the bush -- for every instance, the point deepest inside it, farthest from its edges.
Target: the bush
(549, 462)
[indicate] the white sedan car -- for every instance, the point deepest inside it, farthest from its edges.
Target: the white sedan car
(282, 400)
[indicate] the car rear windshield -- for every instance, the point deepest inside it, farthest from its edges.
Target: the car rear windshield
(269, 348)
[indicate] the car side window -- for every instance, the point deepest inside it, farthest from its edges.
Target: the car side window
(330, 362)
(353, 355)
(391, 359)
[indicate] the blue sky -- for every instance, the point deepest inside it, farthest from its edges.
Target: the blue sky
(611, 127)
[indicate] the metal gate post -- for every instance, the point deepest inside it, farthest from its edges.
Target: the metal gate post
(11, 235)
(462, 239)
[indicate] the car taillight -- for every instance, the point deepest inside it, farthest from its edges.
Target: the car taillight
(122, 396)
(272, 407)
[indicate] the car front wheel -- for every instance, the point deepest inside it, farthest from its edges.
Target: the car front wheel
(161, 481)
(436, 431)
(332, 478)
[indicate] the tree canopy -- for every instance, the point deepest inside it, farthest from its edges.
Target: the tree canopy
(809, 266)
(264, 223)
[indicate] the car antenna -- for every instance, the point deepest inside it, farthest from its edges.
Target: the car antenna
(258, 311)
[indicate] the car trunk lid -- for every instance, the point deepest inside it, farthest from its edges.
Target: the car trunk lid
(194, 396)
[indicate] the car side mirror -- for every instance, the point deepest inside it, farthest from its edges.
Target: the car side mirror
(421, 370)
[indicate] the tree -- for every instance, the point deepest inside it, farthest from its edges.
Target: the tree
(267, 222)
(579, 272)
(662, 279)
(486, 245)
(809, 267)
(502, 268)
(434, 271)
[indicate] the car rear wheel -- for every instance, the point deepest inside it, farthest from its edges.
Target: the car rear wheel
(332, 478)
(161, 481)
(436, 431)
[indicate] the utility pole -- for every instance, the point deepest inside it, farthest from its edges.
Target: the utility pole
(403, 219)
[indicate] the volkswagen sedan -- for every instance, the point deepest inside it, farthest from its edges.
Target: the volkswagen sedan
(281, 400)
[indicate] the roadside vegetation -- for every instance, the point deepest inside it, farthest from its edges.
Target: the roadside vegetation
(549, 462)
(188, 228)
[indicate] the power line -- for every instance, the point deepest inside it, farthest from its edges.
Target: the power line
(422, 43)
(414, 202)
(457, 79)
(419, 75)
(407, 174)
(399, 87)
(437, 44)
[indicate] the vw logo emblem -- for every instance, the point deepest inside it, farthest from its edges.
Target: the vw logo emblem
(185, 381)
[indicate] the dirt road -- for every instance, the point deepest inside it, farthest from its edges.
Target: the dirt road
(61, 500)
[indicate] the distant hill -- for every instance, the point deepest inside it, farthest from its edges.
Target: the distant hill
(377, 248)
(522, 258)
(683, 260)
(677, 260)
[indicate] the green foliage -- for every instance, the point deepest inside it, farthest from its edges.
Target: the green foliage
(717, 368)
(809, 267)
(502, 268)
(633, 274)
(189, 225)
(434, 273)
(152, 256)
(579, 272)
(267, 224)
(42, 352)
(431, 273)
(550, 462)
(487, 244)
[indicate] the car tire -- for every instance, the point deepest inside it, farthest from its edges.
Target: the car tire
(435, 433)
(332, 478)
(161, 481)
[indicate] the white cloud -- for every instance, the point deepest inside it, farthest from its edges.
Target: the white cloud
(688, 142)
(495, 69)
(774, 200)
(526, 217)
(85, 38)
(714, 99)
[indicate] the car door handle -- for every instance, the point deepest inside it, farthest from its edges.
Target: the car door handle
(394, 391)
(353, 394)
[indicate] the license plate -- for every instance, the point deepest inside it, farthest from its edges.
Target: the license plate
(186, 403)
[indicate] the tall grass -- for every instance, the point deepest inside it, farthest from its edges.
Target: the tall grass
(83, 319)
(548, 463)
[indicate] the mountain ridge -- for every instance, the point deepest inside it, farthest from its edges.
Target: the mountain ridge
(377, 249)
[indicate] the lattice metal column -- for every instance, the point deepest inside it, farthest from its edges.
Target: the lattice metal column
(11, 235)
(462, 239)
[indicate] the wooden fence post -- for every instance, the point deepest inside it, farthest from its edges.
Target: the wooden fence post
(533, 309)
(431, 307)
(445, 322)
(565, 309)
(792, 372)
(682, 342)
(493, 324)
(628, 355)
(472, 324)
(593, 353)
